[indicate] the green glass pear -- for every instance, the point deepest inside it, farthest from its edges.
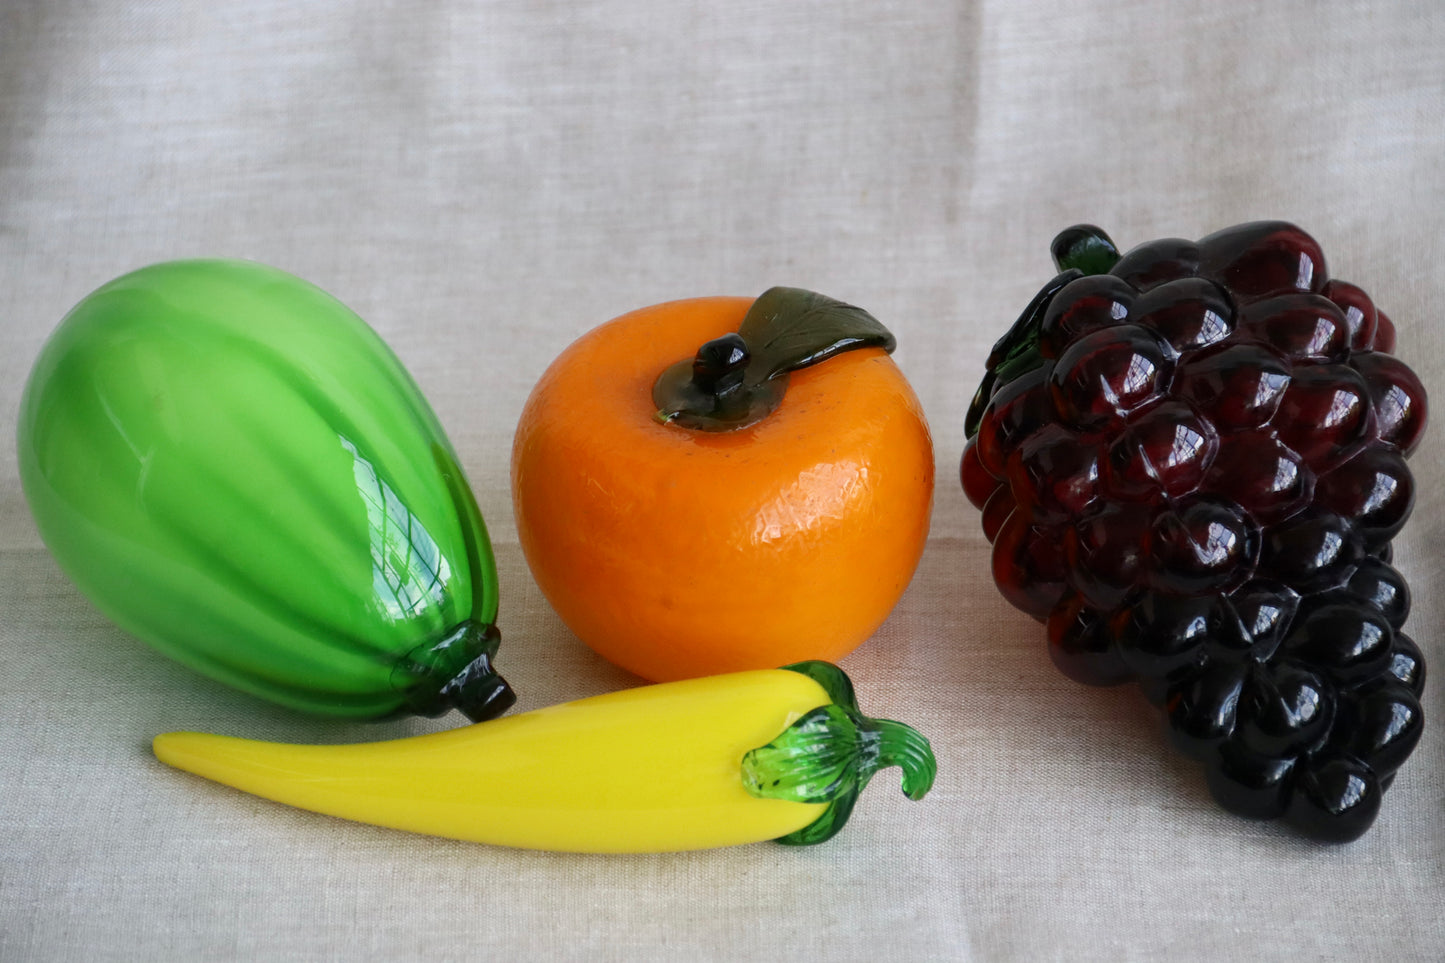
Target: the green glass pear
(236, 469)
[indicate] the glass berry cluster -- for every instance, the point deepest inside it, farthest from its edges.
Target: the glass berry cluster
(1190, 461)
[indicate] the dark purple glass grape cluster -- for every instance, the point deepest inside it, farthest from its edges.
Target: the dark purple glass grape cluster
(1190, 461)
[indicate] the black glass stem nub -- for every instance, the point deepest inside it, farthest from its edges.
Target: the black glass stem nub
(719, 364)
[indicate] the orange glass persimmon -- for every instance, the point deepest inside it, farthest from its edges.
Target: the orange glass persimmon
(786, 533)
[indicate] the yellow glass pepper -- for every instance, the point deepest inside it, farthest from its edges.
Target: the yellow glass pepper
(750, 756)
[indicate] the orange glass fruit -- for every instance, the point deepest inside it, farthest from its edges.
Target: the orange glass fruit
(677, 552)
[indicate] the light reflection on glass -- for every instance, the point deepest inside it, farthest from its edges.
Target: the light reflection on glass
(1213, 328)
(1381, 492)
(1139, 375)
(1224, 715)
(1329, 549)
(1286, 474)
(1306, 272)
(1400, 719)
(1269, 385)
(1371, 638)
(1320, 339)
(1343, 406)
(1392, 407)
(812, 501)
(1265, 618)
(1306, 706)
(409, 574)
(1187, 445)
(1353, 793)
(1218, 545)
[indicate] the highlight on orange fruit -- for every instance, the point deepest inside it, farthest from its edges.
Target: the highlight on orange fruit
(722, 483)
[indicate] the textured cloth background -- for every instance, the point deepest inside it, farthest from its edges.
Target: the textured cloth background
(485, 181)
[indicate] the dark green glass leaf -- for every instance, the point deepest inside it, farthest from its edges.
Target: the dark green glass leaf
(739, 379)
(790, 328)
(1017, 351)
(1078, 251)
(1023, 336)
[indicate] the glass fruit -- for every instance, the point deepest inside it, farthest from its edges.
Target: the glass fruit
(1220, 452)
(234, 468)
(759, 500)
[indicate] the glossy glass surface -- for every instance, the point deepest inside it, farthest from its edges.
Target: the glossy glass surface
(236, 469)
(716, 761)
(676, 552)
(1215, 435)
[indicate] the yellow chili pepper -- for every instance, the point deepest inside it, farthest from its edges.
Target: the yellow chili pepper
(774, 754)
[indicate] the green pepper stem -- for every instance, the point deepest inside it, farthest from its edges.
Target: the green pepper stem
(902, 746)
(829, 755)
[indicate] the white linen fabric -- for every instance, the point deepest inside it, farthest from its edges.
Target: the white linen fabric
(483, 182)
